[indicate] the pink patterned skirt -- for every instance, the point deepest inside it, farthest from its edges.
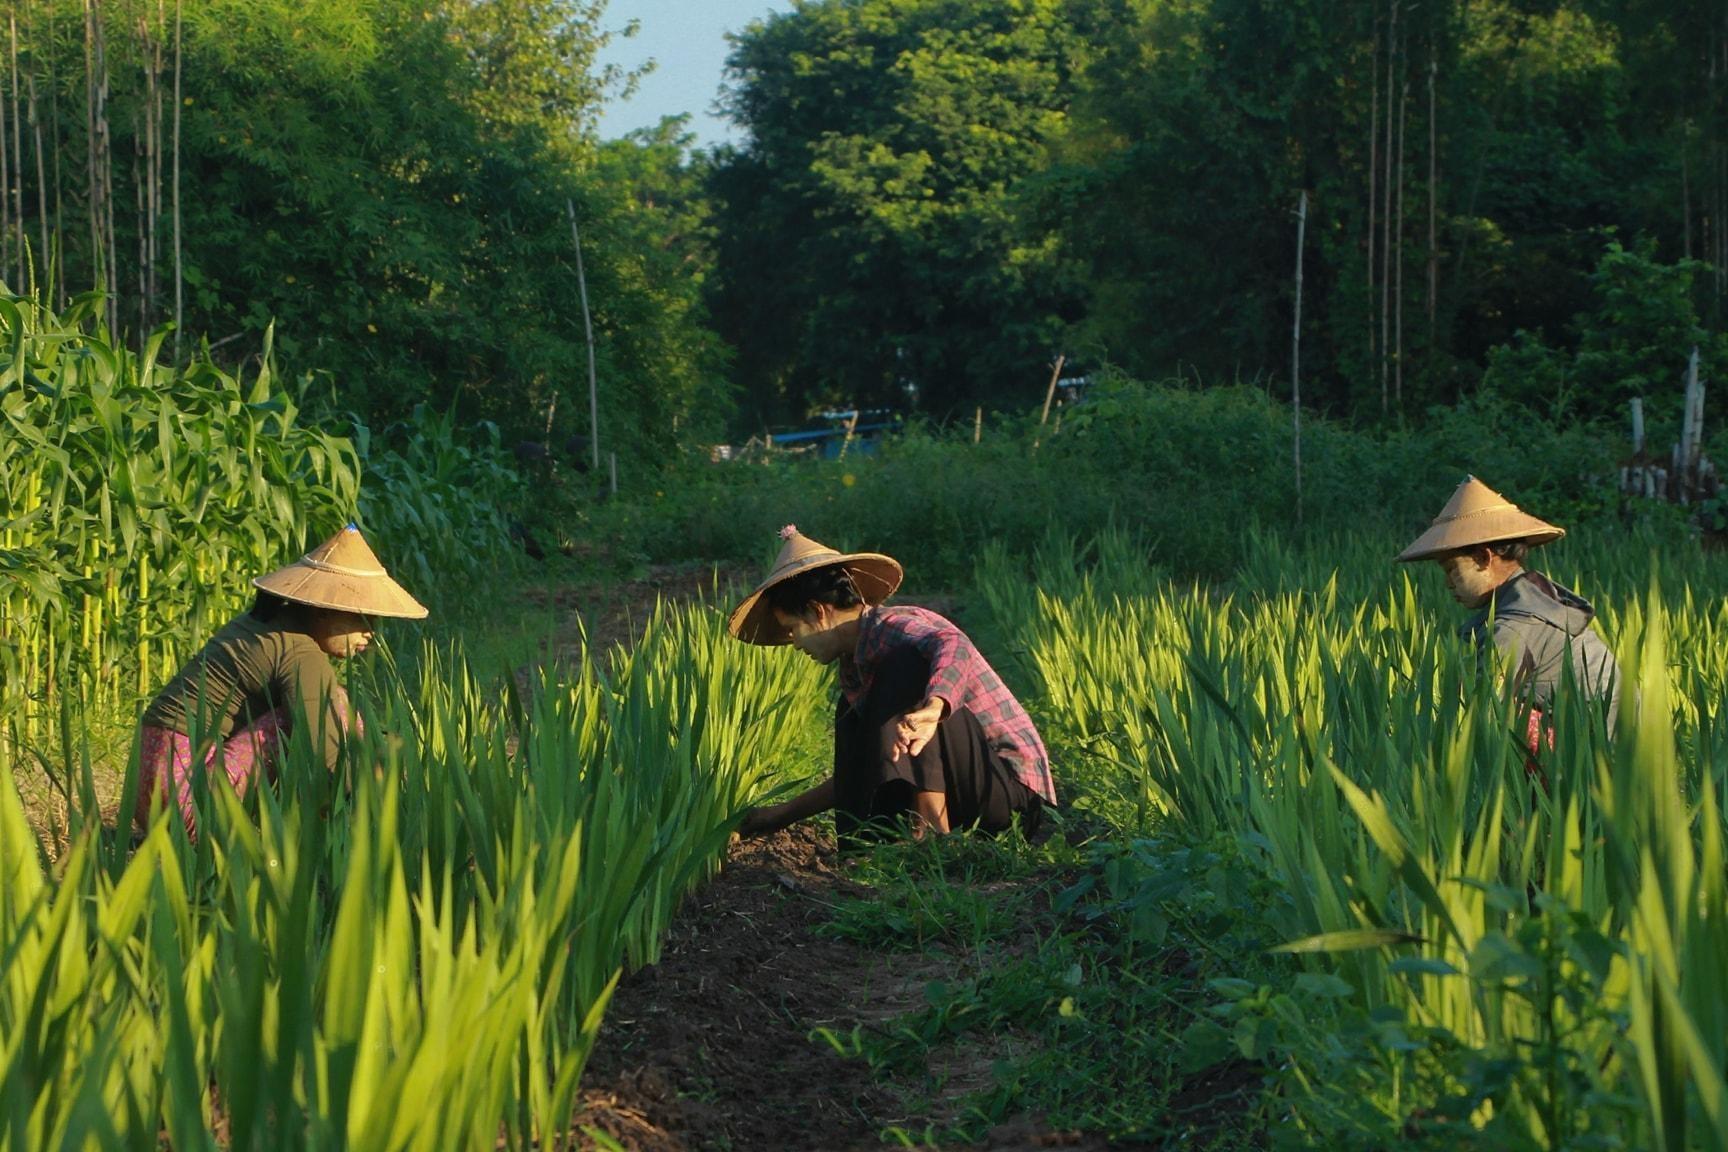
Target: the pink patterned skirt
(165, 764)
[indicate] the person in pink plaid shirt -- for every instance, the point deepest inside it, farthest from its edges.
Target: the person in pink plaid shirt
(925, 733)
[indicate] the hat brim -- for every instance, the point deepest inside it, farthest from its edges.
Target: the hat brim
(753, 621)
(366, 595)
(1458, 535)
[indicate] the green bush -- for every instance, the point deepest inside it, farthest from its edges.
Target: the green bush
(1190, 471)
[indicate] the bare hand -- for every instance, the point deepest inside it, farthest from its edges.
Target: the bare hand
(756, 822)
(917, 728)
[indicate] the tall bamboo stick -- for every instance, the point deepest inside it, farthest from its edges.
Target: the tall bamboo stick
(1373, 185)
(1386, 220)
(6, 270)
(1398, 263)
(43, 254)
(179, 279)
(588, 331)
(17, 155)
(1296, 352)
(1433, 216)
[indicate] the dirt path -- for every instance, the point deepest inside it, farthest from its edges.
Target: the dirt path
(713, 1047)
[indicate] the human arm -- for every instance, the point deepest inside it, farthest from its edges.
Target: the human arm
(929, 813)
(773, 817)
(949, 655)
(917, 727)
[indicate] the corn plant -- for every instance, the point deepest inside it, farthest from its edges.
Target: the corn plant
(134, 501)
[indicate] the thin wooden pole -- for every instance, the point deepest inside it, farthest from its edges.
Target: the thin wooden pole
(1296, 351)
(1386, 222)
(57, 263)
(6, 273)
(851, 427)
(43, 255)
(1373, 186)
(1398, 263)
(978, 424)
(1685, 191)
(588, 331)
(1433, 224)
(179, 278)
(17, 155)
(1050, 392)
(1049, 396)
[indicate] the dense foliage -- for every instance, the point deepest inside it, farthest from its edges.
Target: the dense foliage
(1126, 191)
(1192, 470)
(396, 185)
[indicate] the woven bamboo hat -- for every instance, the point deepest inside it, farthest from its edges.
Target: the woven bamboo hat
(1478, 515)
(343, 573)
(875, 575)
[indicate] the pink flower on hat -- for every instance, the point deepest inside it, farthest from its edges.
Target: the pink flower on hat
(789, 531)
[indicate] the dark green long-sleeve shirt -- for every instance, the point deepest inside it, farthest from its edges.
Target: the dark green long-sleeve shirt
(249, 668)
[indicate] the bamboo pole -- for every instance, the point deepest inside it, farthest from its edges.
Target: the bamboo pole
(1386, 222)
(57, 264)
(1398, 262)
(1373, 184)
(1049, 396)
(179, 277)
(1433, 217)
(1296, 352)
(43, 255)
(6, 254)
(17, 155)
(1050, 392)
(851, 427)
(1685, 189)
(588, 333)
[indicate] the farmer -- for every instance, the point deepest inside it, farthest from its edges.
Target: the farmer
(1481, 540)
(925, 732)
(233, 704)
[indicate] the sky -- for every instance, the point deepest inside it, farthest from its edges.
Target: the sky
(687, 40)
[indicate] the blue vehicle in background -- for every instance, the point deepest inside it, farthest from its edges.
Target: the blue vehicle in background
(846, 431)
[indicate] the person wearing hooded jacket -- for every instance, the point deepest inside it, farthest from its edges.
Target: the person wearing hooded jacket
(1543, 629)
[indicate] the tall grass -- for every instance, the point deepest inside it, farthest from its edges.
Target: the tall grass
(415, 952)
(1526, 963)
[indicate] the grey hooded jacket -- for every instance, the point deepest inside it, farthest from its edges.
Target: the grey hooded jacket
(1543, 626)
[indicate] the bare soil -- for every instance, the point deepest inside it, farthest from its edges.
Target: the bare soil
(715, 1047)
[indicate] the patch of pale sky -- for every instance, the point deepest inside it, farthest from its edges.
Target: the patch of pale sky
(687, 41)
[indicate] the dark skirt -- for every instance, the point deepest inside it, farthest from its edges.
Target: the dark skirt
(873, 794)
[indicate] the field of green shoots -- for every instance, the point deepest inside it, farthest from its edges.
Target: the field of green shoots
(1441, 947)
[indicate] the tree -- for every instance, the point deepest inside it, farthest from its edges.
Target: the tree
(870, 247)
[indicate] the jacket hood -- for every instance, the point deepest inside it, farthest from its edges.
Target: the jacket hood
(1533, 596)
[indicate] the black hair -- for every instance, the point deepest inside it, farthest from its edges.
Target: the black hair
(266, 606)
(1513, 550)
(831, 584)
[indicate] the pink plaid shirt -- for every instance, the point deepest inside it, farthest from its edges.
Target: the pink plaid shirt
(961, 676)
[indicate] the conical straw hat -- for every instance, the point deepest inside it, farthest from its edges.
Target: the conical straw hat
(343, 573)
(1478, 515)
(875, 575)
